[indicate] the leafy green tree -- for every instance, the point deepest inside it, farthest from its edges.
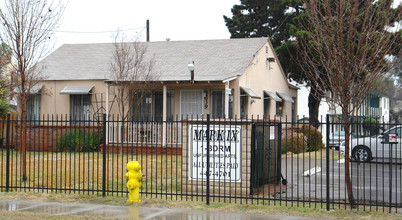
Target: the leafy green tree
(275, 19)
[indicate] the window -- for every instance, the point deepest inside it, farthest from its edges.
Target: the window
(231, 105)
(266, 106)
(33, 107)
(80, 108)
(280, 105)
(243, 104)
(244, 94)
(397, 131)
(149, 106)
(158, 106)
(267, 96)
(279, 108)
(191, 103)
(218, 104)
(142, 106)
(373, 101)
(293, 111)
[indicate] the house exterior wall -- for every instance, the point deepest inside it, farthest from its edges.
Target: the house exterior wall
(264, 75)
(55, 103)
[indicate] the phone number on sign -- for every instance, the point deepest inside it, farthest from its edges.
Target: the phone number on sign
(217, 174)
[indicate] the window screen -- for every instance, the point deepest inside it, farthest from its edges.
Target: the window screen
(191, 103)
(33, 107)
(80, 108)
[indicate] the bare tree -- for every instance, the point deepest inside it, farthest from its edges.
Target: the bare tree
(27, 27)
(342, 49)
(132, 75)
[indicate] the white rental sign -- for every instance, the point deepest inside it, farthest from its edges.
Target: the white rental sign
(224, 149)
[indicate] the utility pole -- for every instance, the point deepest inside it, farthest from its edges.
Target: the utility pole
(147, 30)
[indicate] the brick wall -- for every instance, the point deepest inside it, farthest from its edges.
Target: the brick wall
(45, 138)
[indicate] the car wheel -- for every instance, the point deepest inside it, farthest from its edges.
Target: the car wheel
(361, 154)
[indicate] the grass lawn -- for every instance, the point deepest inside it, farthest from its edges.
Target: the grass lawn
(69, 177)
(69, 172)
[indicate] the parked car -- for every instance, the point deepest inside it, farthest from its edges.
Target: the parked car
(365, 149)
(336, 138)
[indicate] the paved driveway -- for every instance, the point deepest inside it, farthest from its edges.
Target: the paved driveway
(375, 182)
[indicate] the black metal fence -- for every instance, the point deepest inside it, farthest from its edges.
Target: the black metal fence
(271, 161)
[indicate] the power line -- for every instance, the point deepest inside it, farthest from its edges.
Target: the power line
(99, 32)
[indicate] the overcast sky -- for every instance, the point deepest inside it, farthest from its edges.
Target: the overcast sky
(91, 21)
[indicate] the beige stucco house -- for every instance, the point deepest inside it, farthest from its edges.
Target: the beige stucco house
(233, 78)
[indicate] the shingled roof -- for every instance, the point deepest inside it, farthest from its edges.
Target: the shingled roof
(214, 59)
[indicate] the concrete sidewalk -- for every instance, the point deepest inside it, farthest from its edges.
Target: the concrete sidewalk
(130, 212)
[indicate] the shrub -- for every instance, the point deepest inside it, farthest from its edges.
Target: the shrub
(313, 135)
(79, 141)
(371, 127)
(4, 108)
(294, 142)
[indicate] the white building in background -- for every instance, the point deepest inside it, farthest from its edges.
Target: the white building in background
(375, 106)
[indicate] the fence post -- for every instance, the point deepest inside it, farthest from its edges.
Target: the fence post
(8, 153)
(208, 154)
(327, 159)
(104, 127)
(390, 178)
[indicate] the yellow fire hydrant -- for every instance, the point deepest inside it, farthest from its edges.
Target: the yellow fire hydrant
(134, 177)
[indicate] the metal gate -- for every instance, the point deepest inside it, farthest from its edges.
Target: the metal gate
(265, 155)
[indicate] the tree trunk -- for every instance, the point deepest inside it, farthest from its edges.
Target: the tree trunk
(314, 100)
(23, 139)
(347, 160)
(123, 136)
